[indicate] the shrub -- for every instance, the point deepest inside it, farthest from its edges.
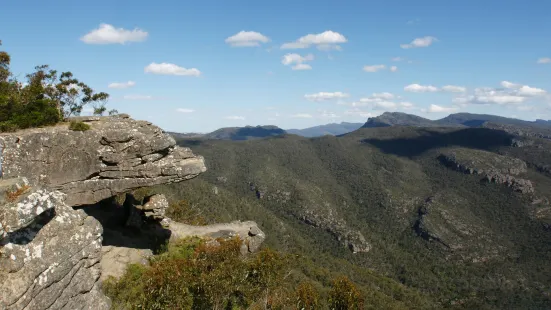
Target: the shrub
(78, 126)
(182, 211)
(196, 274)
(307, 297)
(345, 296)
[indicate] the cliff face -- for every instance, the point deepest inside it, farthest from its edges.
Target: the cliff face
(49, 251)
(116, 155)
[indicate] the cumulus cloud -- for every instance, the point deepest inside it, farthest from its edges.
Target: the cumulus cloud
(544, 60)
(247, 39)
(108, 34)
(297, 61)
(121, 85)
(137, 97)
(417, 88)
(511, 93)
(396, 59)
(327, 40)
(523, 90)
(374, 68)
(393, 69)
(301, 115)
(182, 110)
(440, 109)
(323, 96)
(235, 118)
(170, 69)
(454, 89)
(383, 95)
(420, 42)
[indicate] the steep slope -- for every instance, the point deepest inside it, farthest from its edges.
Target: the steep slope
(333, 129)
(382, 198)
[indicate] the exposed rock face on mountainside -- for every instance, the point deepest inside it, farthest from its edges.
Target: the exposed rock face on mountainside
(51, 252)
(495, 168)
(116, 155)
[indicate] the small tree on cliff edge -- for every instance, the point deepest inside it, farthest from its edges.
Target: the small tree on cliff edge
(30, 104)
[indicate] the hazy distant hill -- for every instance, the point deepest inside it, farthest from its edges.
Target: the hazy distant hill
(453, 120)
(234, 133)
(398, 119)
(333, 129)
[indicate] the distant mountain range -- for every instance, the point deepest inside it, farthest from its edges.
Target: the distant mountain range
(386, 119)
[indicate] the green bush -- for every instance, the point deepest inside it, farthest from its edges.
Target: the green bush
(78, 126)
(345, 296)
(195, 274)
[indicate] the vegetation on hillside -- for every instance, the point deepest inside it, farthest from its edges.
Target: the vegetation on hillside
(493, 252)
(212, 274)
(46, 97)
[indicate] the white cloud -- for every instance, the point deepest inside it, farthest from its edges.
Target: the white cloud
(393, 69)
(247, 39)
(416, 88)
(523, 90)
(491, 96)
(301, 115)
(137, 97)
(420, 42)
(302, 67)
(298, 61)
(544, 60)
(374, 68)
(170, 69)
(322, 96)
(531, 91)
(440, 109)
(509, 85)
(383, 95)
(107, 34)
(454, 89)
(182, 110)
(326, 40)
(235, 118)
(398, 59)
(295, 58)
(122, 85)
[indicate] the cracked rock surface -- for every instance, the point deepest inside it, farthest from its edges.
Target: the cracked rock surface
(116, 155)
(49, 258)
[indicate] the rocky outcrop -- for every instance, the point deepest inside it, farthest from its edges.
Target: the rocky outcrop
(248, 231)
(495, 168)
(50, 253)
(116, 155)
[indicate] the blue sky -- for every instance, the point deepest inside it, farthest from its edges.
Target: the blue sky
(201, 65)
